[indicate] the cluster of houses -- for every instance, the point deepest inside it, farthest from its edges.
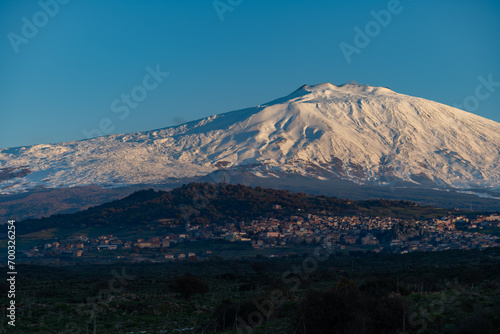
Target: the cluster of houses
(340, 232)
(453, 232)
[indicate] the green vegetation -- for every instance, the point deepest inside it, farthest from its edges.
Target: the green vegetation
(205, 203)
(446, 292)
(241, 289)
(188, 286)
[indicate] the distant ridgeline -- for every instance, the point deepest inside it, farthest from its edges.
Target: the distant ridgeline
(206, 203)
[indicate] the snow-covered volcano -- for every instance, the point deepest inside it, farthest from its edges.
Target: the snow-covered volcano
(359, 133)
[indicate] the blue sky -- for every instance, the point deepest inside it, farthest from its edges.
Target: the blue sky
(69, 79)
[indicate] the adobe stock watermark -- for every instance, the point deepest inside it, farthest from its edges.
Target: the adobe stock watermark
(298, 273)
(126, 102)
(94, 305)
(30, 28)
(372, 29)
(223, 6)
(483, 91)
(428, 313)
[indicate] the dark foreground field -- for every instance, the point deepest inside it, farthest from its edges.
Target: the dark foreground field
(445, 292)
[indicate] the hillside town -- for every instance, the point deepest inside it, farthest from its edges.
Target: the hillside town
(372, 234)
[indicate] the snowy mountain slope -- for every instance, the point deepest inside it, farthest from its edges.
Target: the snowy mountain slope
(363, 134)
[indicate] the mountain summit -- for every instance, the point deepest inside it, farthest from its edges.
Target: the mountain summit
(364, 134)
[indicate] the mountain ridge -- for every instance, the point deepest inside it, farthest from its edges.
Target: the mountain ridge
(360, 133)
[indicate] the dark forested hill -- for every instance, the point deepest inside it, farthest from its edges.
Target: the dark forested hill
(204, 203)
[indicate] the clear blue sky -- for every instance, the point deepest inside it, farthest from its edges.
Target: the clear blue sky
(64, 78)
